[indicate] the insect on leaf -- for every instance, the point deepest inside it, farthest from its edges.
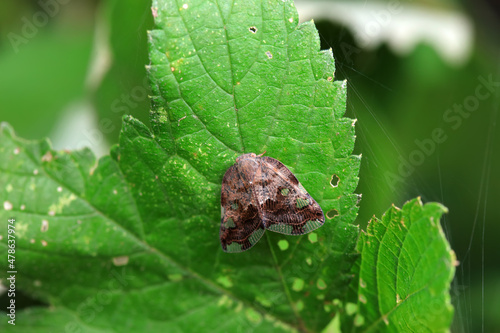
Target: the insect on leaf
(260, 193)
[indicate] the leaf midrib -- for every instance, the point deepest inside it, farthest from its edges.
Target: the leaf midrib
(409, 296)
(150, 249)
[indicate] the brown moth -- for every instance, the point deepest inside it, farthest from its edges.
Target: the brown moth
(259, 193)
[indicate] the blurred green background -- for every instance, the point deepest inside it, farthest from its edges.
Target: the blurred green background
(69, 70)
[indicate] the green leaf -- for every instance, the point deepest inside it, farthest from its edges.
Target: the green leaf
(132, 241)
(405, 272)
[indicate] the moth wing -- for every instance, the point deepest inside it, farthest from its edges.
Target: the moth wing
(287, 208)
(241, 225)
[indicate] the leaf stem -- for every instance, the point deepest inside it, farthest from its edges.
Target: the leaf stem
(301, 324)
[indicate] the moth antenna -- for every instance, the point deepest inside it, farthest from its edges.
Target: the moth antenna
(265, 151)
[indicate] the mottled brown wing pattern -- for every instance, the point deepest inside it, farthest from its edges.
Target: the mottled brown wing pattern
(260, 193)
(241, 226)
(286, 206)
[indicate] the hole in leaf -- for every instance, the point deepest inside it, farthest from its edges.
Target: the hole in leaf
(298, 284)
(332, 213)
(359, 320)
(313, 237)
(321, 284)
(283, 244)
(334, 181)
(253, 29)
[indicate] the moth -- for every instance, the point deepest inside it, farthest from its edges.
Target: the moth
(259, 193)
